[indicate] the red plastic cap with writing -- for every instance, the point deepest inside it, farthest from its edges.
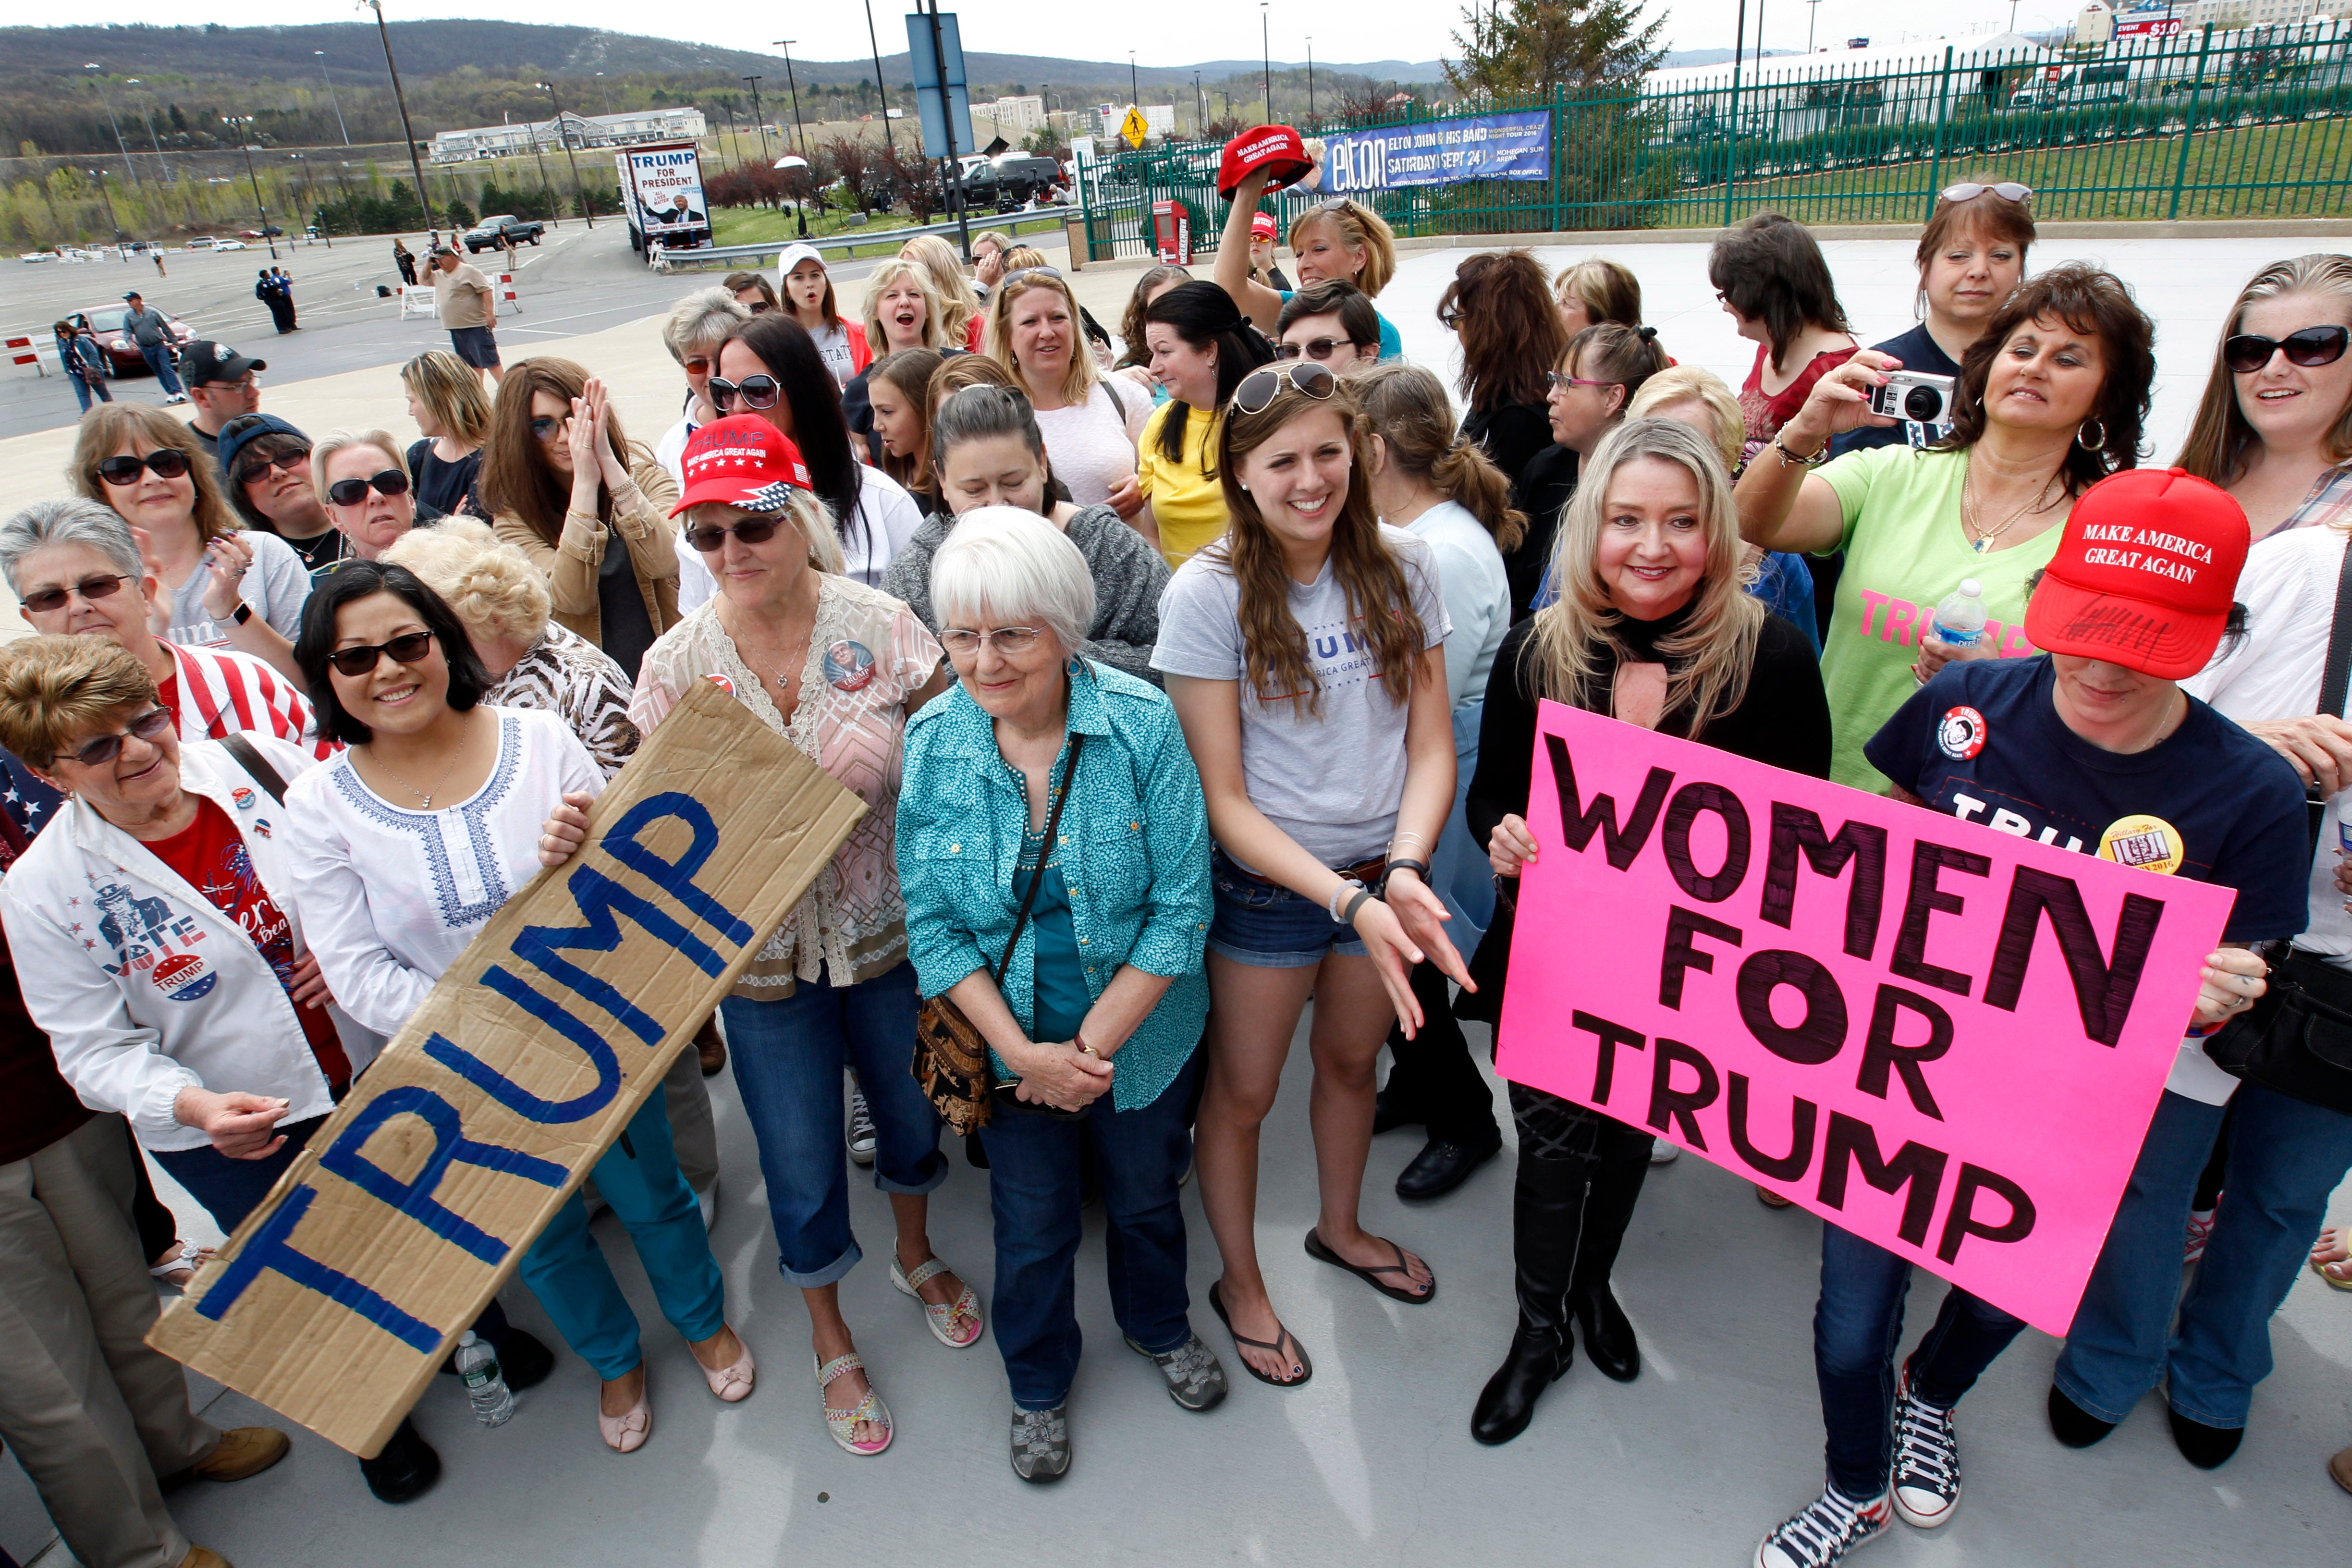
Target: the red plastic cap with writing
(2145, 573)
(1276, 149)
(742, 461)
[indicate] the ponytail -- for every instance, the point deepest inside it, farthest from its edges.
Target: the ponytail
(1407, 406)
(1466, 474)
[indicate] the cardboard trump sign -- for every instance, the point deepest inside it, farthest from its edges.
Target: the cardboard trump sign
(1947, 1039)
(338, 1298)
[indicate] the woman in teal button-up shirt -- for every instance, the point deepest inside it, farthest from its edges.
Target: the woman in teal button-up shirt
(1095, 1029)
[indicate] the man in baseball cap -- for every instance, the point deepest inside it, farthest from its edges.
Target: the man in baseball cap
(150, 333)
(222, 383)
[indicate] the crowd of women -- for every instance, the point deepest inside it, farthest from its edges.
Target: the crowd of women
(1186, 675)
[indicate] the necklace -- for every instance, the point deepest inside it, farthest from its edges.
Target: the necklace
(424, 795)
(1971, 516)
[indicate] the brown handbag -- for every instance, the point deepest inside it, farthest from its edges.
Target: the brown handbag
(951, 1056)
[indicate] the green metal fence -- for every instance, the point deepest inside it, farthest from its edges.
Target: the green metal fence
(2245, 123)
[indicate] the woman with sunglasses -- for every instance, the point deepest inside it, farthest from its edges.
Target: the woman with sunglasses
(1201, 347)
(693, 333)
(1770, 278)
(453, 418)
(1332, 324)
(902, 312)
(227, 586)
(836, 667)
(1309, 632)
(1034, 332)
(440, 809)
(2274, 427)
(584, 504)
(1499, 309)
(808, 299)
(991, 453)
(1339, 239)
(752, 292)
(363, 481)
(270, 483)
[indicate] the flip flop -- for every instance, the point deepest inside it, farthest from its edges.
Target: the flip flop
(2318, 1266)
(1217, 1305)
(1322, 1253)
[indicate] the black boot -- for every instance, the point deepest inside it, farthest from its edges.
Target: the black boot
(405, 1468)
(1621, 1164)
(1545, 1205)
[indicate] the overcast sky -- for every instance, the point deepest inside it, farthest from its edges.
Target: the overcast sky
(1160, 35)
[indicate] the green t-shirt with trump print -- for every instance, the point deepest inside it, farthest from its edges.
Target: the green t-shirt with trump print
(1905, 550)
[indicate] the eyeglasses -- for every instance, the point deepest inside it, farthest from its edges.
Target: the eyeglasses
(43, 601)
(698, 365)
(756, 390)
(166, 463)
(2248, 352)
(97, 753)
(253, 472)
(409, 647)
(2007, 190)
(710, 541)
(351, 492)
(1314, 348)
(1259, 387)
(761, 307)
(543, 430)
(1562, 383)
(1450, 317)
(1009, 642)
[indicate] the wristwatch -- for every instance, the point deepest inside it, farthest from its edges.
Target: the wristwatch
(242, 613)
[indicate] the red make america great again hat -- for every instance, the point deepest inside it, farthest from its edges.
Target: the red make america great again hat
(743, 461)
(2145, 573)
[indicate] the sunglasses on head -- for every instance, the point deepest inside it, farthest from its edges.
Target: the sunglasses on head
(2007, 190)
(2247, 353)
(1009, 279)
(1259, 387)
(97, 753)
(1314, 348)
(43, 601)
(168, 463)
(351, 492)
(409, 647)
(258, 470)
(756, 390)
(710, 539)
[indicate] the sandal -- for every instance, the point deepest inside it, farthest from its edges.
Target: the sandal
(2338, 1239)
(955, 1324)
(179, 1272)
(1322, 1253)
(843, 1424)
(1217, 1305)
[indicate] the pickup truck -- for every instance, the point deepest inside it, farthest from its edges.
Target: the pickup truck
(485, 235)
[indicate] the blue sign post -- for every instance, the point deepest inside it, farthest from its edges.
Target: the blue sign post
(1440, 152)
(935, 58)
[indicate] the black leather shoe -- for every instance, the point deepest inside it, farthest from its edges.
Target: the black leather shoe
(2073, 1425)
(524, 1360)
(2207, 1447)
(1536, 1361)
(1391, 1112)
(406, 1468)
(1440, 1166)
(1608, 1336)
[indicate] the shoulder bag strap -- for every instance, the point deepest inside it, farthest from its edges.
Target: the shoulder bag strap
(1053, 821)
(249, 757)
(2338, 675)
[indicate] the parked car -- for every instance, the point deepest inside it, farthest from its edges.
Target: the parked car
(273, 232)
(485, 235)
(123, 355)
(38, 256)
(202, 242)
(230, 245)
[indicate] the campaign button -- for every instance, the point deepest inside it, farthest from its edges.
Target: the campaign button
(243, 797)
(1961, 734)
(183, 977)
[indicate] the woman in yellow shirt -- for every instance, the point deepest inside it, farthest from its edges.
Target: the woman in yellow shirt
(1201, 347)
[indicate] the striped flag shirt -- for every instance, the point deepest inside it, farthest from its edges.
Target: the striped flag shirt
(223, 692)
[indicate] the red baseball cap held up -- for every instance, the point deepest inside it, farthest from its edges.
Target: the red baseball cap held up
(1276, 149)
(1263, 227)
(2145, 573)
(743, 461)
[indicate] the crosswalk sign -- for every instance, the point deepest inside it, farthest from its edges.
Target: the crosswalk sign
(1134, 128)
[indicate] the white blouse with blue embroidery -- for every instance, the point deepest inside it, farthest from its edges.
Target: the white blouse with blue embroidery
(391, 897)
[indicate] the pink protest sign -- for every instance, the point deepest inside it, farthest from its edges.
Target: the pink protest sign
(1946, 1038)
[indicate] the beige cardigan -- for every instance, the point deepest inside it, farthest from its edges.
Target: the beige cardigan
(642, 515)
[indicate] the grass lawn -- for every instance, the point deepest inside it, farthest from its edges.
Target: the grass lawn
(762, 225)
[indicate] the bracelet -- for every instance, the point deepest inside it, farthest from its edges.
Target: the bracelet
(1331, 904)
(1079, 1040)
(1347, 915)
(1400, 837)
(1791, 460)
(1419, 868)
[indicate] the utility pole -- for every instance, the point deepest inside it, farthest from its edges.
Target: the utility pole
(608, 89)
(98, 81)
(729, 110)
(310, 190)
(800, 132)
(416, 165)
(320, 55)
(880, 87)
(1134, 93)
(112, 221)
(555, 211)
(759, 120)
(1816, 16)
(1310, 74)
(587, 208)
(953, 167)
(239, 122)
(1200, 106)
(1266, 49)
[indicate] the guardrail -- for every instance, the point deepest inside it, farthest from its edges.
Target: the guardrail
(664, 261)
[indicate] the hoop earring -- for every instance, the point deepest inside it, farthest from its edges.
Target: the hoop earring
(1076, 666)
(2095, 443)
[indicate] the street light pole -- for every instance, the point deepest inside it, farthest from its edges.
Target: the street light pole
(1310, 74)
(555, 211)
(320, 55)
(759, 120)
(881, 89)
(310, 190)
(800, 132)
(416, 165)
(99, 82)
(587, 208)
(608, 94)
(1266, 48)
(1200, 107)
(1134, 93)
(108, 196)
(240, 123)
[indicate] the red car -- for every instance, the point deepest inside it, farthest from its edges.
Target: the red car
(122, 353)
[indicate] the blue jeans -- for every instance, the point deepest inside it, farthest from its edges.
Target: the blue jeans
(1033, 1188)
(1267, 926)
(2286, 1157)
(639, 1178)
(158, 360)
(1858, 1327)
(88, 384)
(788, 1055)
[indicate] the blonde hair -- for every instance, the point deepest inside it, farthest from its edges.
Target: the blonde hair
(1711, 658)
(1689, 383)
(958, 304)
(108, 425)
(335, 441)
(1607, 290)
(878, 281)
(55, 689)
(810, 515)
(1018, 257)
(452, 391)
(1358, 227)
(1079, 380)
(492, 588)
(2218, 436)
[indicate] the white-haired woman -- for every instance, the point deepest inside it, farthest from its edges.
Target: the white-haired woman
(1654, 626)
(836, 667)
(698, 326)
(1049, 783)
(1035, 330)
(362, 481)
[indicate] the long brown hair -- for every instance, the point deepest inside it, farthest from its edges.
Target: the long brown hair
(2218, 438)
(1510, 332)
(1769, 269)
(2089, 300)
(910, 370)
(1410, 414)
(517, 477)
(1378, 595)
(108, 425)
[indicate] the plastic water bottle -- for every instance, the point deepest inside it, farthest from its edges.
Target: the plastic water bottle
(1960, 618)
(486, 1386)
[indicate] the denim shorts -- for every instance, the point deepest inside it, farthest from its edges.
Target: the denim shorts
(1267, 926)
(475, 345)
